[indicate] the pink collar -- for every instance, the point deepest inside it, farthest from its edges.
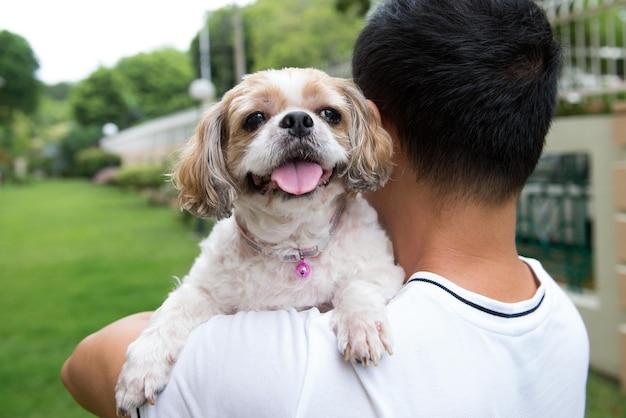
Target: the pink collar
(296, 254)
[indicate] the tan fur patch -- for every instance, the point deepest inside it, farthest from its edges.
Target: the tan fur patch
(254, 94)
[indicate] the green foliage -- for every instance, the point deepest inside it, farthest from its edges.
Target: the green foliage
(139, 87)
(359, 6)
(75, 257)
(63, 158)
(91, 160)
(141, 177)
(19, 89)
(158, 81)
(52, 117)
(302, 34)
(101, 98)
(221, 36)
(59, 92)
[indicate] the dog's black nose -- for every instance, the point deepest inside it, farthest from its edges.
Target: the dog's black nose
(298, 123)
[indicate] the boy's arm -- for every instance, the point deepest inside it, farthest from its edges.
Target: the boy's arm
(91, 371)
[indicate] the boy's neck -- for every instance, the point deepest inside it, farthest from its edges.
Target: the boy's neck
(472, 245)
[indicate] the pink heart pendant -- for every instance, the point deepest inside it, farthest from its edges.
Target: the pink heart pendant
(303, 269)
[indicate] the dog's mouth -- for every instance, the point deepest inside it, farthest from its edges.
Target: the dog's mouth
(294, 177)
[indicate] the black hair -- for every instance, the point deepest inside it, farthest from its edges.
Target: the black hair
(469, 85)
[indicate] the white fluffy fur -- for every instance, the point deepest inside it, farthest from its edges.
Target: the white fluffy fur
(355, 272)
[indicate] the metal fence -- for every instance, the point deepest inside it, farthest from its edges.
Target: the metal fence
(593, 36)
(555, 221)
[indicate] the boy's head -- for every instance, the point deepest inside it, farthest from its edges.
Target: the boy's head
(468, 85)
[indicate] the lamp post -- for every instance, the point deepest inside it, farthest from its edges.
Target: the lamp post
(202, 89)
(239, 48)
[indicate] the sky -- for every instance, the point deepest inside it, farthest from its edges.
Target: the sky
(71, 38)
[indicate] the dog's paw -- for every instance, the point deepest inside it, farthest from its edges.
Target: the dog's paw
(362, 337)
(143, 376)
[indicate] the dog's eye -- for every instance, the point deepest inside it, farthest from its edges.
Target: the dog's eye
(330, 115)
(253, 121)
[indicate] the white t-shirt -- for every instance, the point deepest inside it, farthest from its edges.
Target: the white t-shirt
(457, 354)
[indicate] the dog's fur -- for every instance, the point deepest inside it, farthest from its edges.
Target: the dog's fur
(355, 271)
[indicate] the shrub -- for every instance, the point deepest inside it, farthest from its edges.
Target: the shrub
(91, 160)
(142, 177)
(63, 155)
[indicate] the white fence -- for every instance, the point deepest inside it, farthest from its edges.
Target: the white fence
(154, 141)
(593, 36)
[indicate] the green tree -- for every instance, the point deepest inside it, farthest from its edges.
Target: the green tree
(59, 91)
(158, 81)
(359, 6)
(75, 140)
(19, 88)
(302, 33)
(221, 36)
(102, 97)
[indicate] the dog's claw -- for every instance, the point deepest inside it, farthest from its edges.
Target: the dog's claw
(361, 338)
(143, 375)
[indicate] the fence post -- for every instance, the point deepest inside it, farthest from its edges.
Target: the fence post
(619, 199)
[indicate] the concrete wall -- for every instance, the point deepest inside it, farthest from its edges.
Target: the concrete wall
(600, 308)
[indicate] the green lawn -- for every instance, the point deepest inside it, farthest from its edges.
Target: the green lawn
(74, 257)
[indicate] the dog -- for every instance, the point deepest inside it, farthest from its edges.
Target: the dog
(281, 160)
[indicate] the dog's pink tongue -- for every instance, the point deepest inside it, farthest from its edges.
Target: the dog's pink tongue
(297, 177)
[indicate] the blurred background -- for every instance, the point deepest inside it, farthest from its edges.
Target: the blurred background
(96, 98)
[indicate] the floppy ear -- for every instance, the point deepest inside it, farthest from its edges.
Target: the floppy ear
(205, 186)
(370, 164)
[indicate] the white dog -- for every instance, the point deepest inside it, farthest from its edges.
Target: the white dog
(286, 152)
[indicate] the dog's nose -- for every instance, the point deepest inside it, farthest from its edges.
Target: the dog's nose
(298, 123)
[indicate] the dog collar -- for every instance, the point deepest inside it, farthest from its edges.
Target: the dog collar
(303, 268)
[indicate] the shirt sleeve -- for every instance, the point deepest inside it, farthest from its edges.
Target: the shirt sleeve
(242, 365)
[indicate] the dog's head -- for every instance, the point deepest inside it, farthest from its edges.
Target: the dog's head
(287, 133)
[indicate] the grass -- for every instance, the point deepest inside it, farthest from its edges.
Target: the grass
(74, 257)
(604, 399)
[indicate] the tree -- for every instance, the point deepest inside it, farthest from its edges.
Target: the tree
(59, 91)
(19, 88)
(158, 81)
(360, 6)
(221, 35)
(302, 33)
(101, 98)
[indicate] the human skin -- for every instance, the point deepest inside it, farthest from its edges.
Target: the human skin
(469, 243)
(90, 373)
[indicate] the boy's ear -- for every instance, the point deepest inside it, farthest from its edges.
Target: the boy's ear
(205, 186)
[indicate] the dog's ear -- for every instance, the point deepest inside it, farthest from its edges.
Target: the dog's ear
(205, 186)
(370, 157)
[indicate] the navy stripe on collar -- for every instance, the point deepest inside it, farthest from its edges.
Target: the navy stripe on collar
(477, 306)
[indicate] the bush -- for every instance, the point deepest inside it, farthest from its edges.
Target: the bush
(91, 160)
(63, 155)
(142, 177)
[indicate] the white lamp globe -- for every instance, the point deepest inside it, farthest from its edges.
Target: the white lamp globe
(110, 129)
(202, 90)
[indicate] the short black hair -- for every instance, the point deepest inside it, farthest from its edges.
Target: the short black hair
(469, 85)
